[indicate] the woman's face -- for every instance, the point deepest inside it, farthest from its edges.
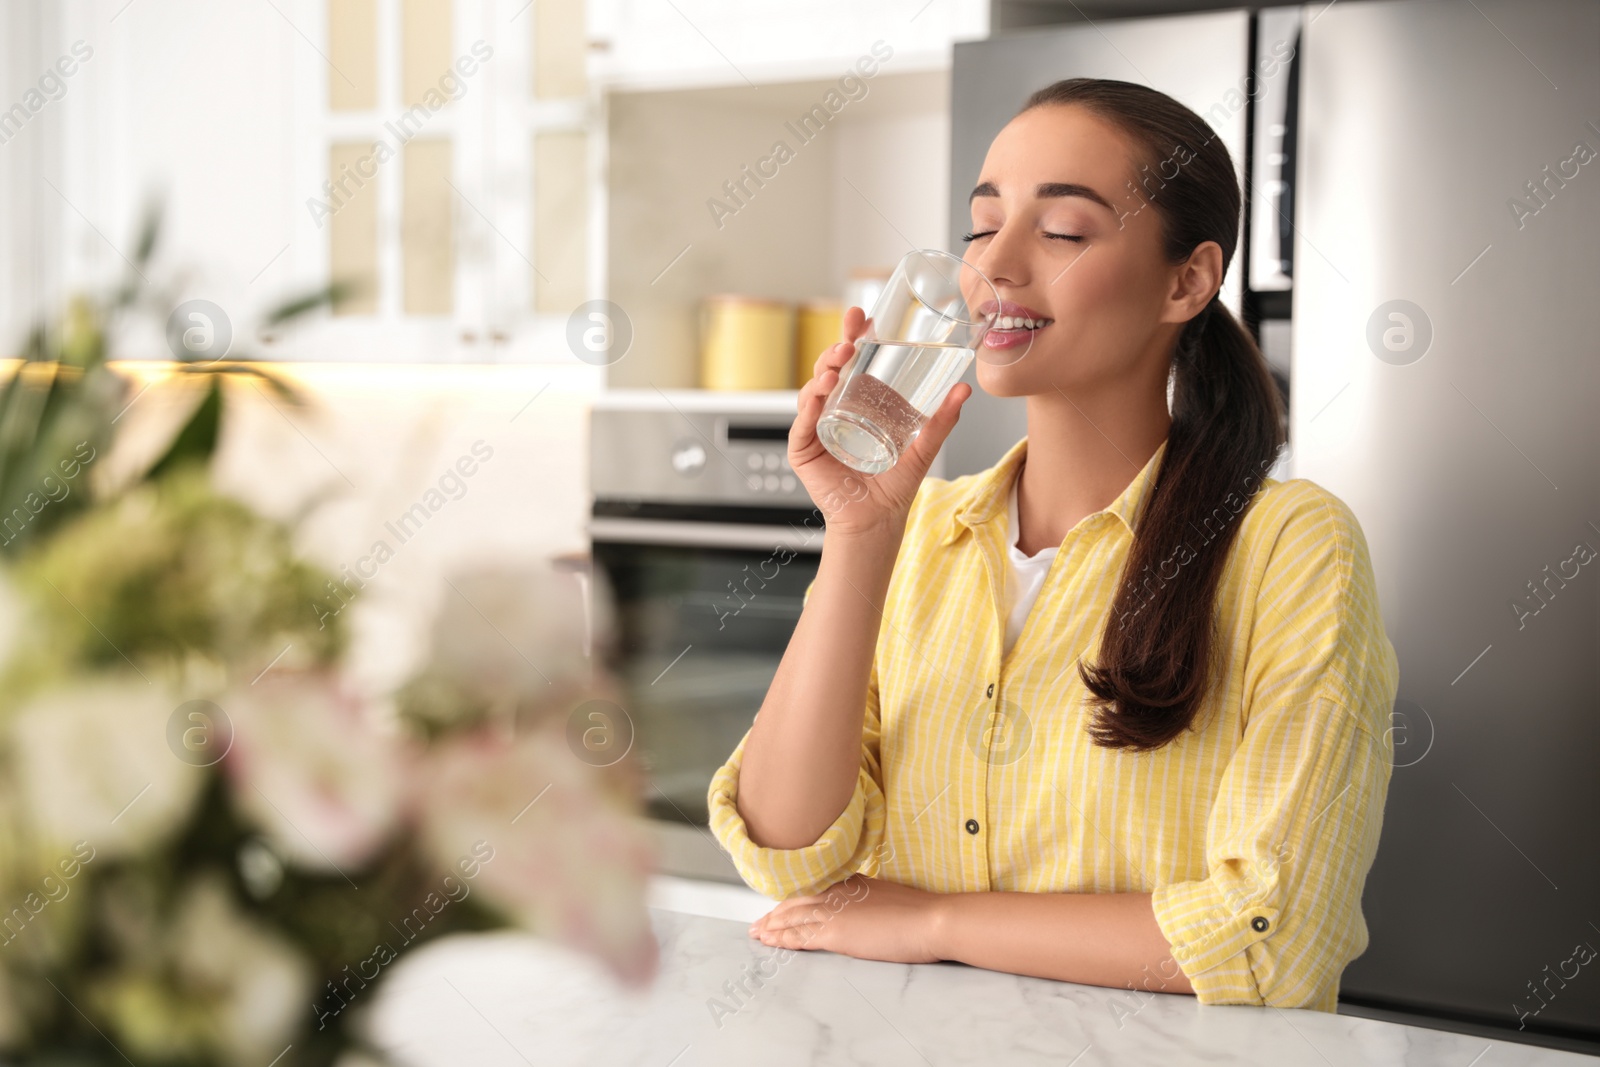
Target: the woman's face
(1074, 249)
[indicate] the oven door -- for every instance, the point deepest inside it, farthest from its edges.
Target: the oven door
(704, 611)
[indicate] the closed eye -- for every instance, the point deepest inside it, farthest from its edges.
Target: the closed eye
(1055, 236)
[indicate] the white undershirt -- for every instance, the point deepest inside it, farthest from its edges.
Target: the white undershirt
(1024, 574)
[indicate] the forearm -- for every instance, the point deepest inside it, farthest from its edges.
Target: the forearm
(1104, 939)
(803, 754)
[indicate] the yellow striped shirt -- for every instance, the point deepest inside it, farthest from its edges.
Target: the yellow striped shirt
(1253, 831)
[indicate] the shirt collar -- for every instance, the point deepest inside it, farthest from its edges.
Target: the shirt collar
(987, 495)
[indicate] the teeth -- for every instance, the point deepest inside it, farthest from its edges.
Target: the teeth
(1015, 322)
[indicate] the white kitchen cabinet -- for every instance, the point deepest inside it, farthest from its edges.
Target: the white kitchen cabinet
(477, 231)
(399, 141)
(662, 44)
(576, 161)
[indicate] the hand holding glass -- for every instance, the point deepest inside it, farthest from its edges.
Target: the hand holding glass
(924, 329)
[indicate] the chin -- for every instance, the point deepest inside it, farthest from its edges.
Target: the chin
(1009, 380)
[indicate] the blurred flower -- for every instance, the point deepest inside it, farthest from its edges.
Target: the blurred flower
(167, 571)
(570, 861)
(93, 763)
(207, 916)
(258, 983)
(223, 987)
(512, 643)
(312, 770)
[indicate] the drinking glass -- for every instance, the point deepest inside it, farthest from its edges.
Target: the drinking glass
(925, 328)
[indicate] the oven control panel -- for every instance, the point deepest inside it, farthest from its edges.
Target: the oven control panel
(692, 446)
(766, 469)
(769, 471)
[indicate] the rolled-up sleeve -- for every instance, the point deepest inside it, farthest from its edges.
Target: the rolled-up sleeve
(848, 845)
(1295, 824)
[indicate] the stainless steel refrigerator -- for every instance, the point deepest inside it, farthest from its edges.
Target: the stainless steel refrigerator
(1421, 257)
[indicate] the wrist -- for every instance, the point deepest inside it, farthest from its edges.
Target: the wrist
(937, 923)
(886, 534)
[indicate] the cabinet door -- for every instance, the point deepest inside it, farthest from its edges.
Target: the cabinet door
(394, 144)
(642, 44)
(430, 122)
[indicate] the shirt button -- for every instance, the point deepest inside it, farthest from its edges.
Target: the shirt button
(1259, 922)
(990, 693)
(972, 826)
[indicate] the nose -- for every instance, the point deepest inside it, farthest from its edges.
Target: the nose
(1001, 258)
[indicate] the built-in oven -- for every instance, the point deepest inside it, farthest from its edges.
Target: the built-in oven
(705, 542)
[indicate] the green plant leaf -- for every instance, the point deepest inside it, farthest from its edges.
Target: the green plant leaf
(295, 307)
(280, 386)
(149, 231)
(198, 438)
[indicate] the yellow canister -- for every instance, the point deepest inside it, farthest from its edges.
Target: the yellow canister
(817, 327)
(746, 342)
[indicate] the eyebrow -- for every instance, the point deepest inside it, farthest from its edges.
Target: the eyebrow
(1047, 189)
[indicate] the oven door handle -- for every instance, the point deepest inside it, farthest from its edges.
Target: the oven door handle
(704, 534)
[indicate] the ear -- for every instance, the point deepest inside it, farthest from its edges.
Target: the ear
(1194, 283)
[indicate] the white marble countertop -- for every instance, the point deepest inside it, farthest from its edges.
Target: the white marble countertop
(509, 999)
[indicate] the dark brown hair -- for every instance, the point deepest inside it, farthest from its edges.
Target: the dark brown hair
(1158, 651)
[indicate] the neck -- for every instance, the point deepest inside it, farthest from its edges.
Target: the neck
(1083, 451)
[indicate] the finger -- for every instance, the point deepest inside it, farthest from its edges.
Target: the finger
(814, 386)
(832, 358)
(836, 356)
(939, 425)
(796, 937)
(813, 396)
(798, 916)
(853, 324)
(808, 409)
(824, 376)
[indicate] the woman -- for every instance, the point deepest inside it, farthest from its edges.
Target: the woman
(1114, 711)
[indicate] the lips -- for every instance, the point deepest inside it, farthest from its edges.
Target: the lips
(1014, 323)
